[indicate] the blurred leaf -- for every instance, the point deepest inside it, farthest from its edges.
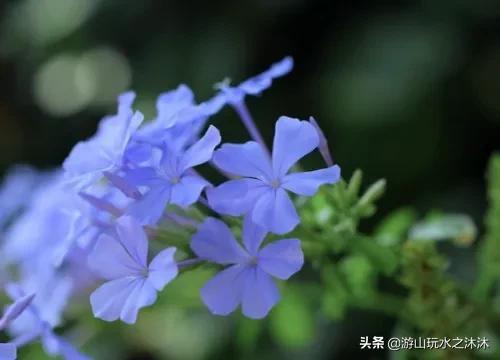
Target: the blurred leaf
(184, 291)
(382, 257)
(355, 184)
(489, 255)
(458, 228)
(335, 297)
(292, 322)
(359, 274)
(248, 333)
(393, 229)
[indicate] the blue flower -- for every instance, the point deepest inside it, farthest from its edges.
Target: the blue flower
(39, 328)
(106, 149)
(172, 181)
(248, 279)
(8, 351)
(262, 190)
(14, 310)
(133, 284)
(178, 122)
(49, 301)
(45, 213)
(18, 182)
(253, 86)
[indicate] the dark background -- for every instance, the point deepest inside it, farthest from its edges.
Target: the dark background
(405, 90)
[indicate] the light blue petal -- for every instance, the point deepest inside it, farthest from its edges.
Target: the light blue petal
(83, 169)
(110, 260)
(133, 239)
(275, 212)
(293, 139)
(201, 151)
(55, 345)
(308, 183)
(143, 176)
(170, 103)
(104, 151)
(108, 300)
(260, 294)
(149, 209)
(252, 235)
(188, 190)
(215, 242)
(281, 258)
(259, 83)
(143, 294)
(122, 299)
(222, 294)
(248, 159)
(163, 268)
(236, 197)
(8, 351)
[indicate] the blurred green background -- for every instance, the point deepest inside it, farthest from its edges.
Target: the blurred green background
(405, 90)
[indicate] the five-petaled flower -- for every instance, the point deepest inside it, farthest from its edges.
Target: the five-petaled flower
(262, 189)
(248, 280)
(104, 151)
(172, 181)
(133, 284)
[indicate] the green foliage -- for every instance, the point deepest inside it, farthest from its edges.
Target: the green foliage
(489, 255)
(292, 323)
(425, 298)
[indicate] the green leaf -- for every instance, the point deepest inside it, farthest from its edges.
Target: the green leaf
(374, 192)
(394, 228)
(292, 322)
(382, 257)
(354, 184)
(359, 274)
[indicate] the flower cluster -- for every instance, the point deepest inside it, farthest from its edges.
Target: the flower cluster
(89, 225)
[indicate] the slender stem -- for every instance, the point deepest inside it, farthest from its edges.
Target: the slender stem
(249, 123)
(189, 262)
(323, 143)
(102, 204)
(181, 220)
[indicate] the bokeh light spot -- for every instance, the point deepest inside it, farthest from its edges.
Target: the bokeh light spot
(105, 72)
(56, 90)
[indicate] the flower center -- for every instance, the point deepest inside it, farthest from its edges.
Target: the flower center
(253, 260)
(275, 183)
(175, 180)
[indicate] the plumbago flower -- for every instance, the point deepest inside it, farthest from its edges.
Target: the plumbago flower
(95, 228)
(235, 95)
(179, 119)
(52, 343)
(171, 180)
(248, 279)
(8, 351)
(18, 182)
(262, 192)
(105, 150)
(133, 284)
